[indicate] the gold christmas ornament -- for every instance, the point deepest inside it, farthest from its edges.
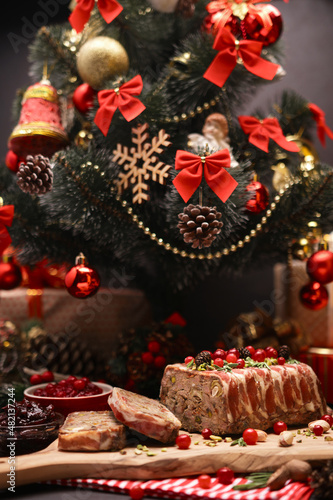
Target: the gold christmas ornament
(281, 176)
(101, 58)
(84, 137)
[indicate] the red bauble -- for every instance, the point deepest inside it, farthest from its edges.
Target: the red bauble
(255, 30)
(13, 161)
(82, 281)
(83, 98)
(260, 198)
(314, 296)
(211, 24)
(320, 266)
(10, 275)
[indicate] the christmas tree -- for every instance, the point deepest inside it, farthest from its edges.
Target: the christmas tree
(151, 165)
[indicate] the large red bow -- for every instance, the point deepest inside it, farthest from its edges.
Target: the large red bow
(109, 10)
(213, 167)
(229, 50)
(123, 99)
(6, 219)
(322, 128)
(262, 130)
(221, 10)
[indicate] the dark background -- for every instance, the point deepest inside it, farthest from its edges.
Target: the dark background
(308, 42)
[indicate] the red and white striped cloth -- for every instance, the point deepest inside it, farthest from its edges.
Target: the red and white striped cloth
(182, 488)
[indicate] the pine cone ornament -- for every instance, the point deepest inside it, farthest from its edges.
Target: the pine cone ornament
(203, 357)
(284, 352)
(244, 353)
(322, 482)
(35, 176)
(199, 225)
(186, 7)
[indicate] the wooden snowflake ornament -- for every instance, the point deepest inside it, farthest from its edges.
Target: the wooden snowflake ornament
(140, 162)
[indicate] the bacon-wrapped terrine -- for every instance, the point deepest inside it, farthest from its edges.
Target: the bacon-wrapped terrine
(230, 402)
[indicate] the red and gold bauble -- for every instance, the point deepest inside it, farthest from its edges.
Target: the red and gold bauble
(320, 266)
(82, 281)
(211, 24)
(83, 98)
(13, 161)
(314, 296)
(260, 198)
(39, 130)
(255, 30)
(10, 274)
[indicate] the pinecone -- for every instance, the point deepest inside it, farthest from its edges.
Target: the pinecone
(199, 225)
(284, 352)
(322, 481)
(62, 354)
(186, 7)
(35, 176)
(203, 357)
(244, 353)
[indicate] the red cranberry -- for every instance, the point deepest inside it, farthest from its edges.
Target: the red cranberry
(328, 419)
(259, 355)
(251, 350)
(206, 433)
(36, 379)
(281, 360)
(225, 475)
(231, 358)
(79, 385)
(147, 358)
(47, 376)
(188, 359)
(159, 362)
(234, 351)
(219, 353)
(204, 481)
(219, 362)
(183, 441)
(154, 346)
(318, 430)
(71, 378)
(241, 363)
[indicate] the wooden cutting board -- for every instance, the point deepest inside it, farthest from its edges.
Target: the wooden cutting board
(54, 464)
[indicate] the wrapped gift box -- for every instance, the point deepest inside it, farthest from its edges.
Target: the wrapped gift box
(97, 319)
(321, 360)
(317, 326)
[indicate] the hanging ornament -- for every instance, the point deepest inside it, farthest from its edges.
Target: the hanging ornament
(216, 20)
(10, 273)
(260, 131)
(213, 167)
(39, 129)
(322, 129)
(35, 176)
(231, 52)
(256, 27)
(260, 198)
(121, 98)
(82, 281)
(314, 296)
(12, 161)
(199, 225)
(320, 266)
(165, 6)
(84, 137)
(141, 162)
(109, 10)
(281, 176)
(83, 98)
(6, 219)
(100, 59)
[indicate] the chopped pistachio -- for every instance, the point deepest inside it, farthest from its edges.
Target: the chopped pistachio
(211, 444)
(228, 439)
(328, 438)
(144, 448)
(151, 454)
(139, 447)
(298, 441)
(196, 442)
(138, 452)
(164, 449)
(215, 438)
(123, 452)
(299, 431)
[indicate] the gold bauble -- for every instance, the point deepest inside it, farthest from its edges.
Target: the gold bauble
(101, 58)
(281, 176)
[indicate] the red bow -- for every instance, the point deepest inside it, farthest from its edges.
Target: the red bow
(109, 10)
(221, 10)
(229, 50)
(6, 219)
(122, 98)
(213, 167)
(322, 128)
(262, 130)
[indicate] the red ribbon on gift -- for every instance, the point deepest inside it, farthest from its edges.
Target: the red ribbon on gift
(121, 98)
(230, 50)
(109, 10)
(6, 219)
(226, 9)
(212, 166)
(322, 128)
(262, 130)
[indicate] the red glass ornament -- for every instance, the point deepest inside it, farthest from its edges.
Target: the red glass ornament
(10, 275)
(320, 266)
(82, 281)
(314, 296)
(255, 30)
(13, 161)
(83, 98)
(260, 198)
(211, 24)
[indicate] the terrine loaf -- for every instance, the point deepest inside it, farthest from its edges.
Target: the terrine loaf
(144, 415)
(91, 431)
(228, 402)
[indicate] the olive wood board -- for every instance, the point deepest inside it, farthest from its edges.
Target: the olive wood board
(51, 463)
